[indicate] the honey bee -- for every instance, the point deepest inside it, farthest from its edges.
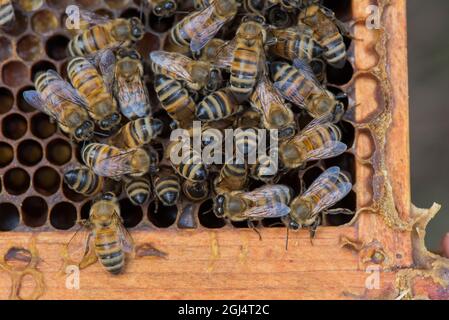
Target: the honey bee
(320, 139)
(233, 176)
(249, 118)
(196, 191)
(84, 181)
(129, 88)
(6, 12)
(112, 162)
(329, 188)
(105, 33)
(101, 106)
(196, 29)
(163, 8)
(175, 99)
(295, 43)
(105, 233)
(190, 166)
(195, 74)
(218, 105)
(299, 85)
(248, 57)
(327, 31)
(138, 190)
(269, 201)
(276, 114)
(137, 133)
(167, 187)
(58, 99)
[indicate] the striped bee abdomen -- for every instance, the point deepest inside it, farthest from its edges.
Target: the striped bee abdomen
(108, 250)
(218, 105)
(84, 181)
(167, 188)
(6, 12)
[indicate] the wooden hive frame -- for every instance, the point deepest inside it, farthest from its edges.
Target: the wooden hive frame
(223, 263)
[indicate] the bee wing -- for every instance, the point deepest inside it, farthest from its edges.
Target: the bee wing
(172, 62)
(131, 93)
(328, 150)
(331, 175)
(326, 118)
(225, 54)
(64, 90)
(268, 94)
(79, 245)
(93, 18)
(263, 208)
(33, 98)
(271, 210)
(106, 65)
(294, 97)
(126, 240)
(118, 164)
(304, 67)
(208, 30)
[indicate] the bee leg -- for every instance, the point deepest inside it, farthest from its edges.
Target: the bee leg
(302, 186)
(252, 226)
(313, 228)
(339, 211)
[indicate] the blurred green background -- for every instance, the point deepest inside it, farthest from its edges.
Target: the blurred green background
(428, 45)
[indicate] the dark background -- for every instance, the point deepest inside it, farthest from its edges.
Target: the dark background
(428, 37)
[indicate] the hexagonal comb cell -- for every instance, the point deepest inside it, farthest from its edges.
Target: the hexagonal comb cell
(46, 181)
(14, 126)
(132, 215)
(13, 73)
(10, 217)
(42, 127)
(6, 154)
(29, 47)
(16, 181)
(29, 152)
(34, 211)
(63, 216)
(6, 100)
(59, 152)
(44, 22)
(56, 47)
(164, 216)
(5, 48)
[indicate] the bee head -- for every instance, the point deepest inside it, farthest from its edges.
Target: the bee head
(165, 9)
(128, 63)
(137, 29)
(250, 30)
(110, 121)
(287, 132)
(215, 81)
(219, 206)
(85, 131)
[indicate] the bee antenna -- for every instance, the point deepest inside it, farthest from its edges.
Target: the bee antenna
(101, 134)
(286, 240)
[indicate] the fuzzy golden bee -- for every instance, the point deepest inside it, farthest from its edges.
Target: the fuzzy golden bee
(175, 99)
(104, 234)
(84, 181)
(195, 74)
(320, 139)
(129, 87)
(197, 28)
(248, 57)
(6, 12)
(85, 77)
(138, 189)
(113, 162)
(295, 43)
(167, 187)
(299, 85)
(327, 31)
(138, 133)
(57, 98)
(328, 189)
(104, 33)
(276, 114)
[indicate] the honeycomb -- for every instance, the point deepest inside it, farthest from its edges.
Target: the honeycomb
(33, 152)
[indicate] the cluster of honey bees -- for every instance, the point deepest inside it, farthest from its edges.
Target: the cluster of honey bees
(227, 64)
